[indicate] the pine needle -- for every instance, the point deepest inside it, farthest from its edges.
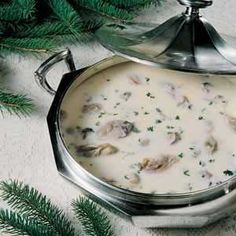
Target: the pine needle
(17, 10)
(15, 224)
(15, 104)
(132, 4)
(94, 221)
(65, 12)
(28, 201)
(26, 45)
(104, 9)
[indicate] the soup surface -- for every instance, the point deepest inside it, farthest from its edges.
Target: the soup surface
(151, 130)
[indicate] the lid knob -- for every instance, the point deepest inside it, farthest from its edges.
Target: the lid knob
(196, 3)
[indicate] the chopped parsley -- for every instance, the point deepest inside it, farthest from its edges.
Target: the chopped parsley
(135, 130)
(86, 131)
(186, 172)
(158, 121)
(228, 172)
(147, 79)
(181, 155)
(150, 95)
(97, 123)
(177, 118)
(150, 128)
(117, 104)
(101, 114)
(200, 117)
(136, 113)
(146, 113)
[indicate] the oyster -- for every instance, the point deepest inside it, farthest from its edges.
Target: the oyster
(206, 174)
(92, 108)
(158, 164)
(211, 145)
(126, 96)
(133, 178)
(206, 87)
(94, 151)
(144, 142)
(173, 137)
(135, 80)
(63, 115)
(170, 89)
(183, 101)
(115, 129)
(232, 122)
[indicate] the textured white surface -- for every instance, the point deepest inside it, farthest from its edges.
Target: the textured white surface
(25, 149)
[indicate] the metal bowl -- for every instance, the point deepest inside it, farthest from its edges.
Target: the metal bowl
(192, 209)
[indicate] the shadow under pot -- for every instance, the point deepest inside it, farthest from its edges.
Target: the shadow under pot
(155, 145)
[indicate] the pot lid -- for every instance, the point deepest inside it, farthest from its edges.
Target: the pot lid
(186, 42)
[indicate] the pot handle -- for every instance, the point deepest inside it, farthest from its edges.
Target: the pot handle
(45, 67)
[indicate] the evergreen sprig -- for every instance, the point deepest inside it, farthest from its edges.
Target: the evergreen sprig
(33, 214)
(16, 224)
(18, 10)
(41, 26)
(38, 26)
(94, 221)
(28, 201)
(15, 103)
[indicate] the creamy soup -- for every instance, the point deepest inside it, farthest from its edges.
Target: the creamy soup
(151, 130)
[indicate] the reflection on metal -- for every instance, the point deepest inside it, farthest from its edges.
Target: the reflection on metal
(186, 42)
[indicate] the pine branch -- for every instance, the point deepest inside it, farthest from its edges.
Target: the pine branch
(26, 45)
(46, 29)
(15, 224)
(28, 201)
(94, 221)
(104, 9)
(17, 10)
(15, 104)
(131, 4)
(65, 12)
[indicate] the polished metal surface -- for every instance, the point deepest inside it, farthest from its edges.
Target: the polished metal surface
(196, 3)
(41, 72)
(193, 209)
(186, 42)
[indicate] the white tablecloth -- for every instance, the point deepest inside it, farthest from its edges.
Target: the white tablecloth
(25, 148)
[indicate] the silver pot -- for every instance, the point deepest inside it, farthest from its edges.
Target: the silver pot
(194, 209)
(158, 47)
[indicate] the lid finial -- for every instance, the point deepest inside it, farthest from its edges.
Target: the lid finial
(196, 3)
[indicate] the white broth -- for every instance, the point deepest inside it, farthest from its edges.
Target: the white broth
(152, 130)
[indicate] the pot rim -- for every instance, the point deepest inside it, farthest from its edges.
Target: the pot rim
(183, 198)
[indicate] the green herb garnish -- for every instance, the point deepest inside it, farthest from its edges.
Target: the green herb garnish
(228, 172)
(150, 128)
(150, 95)
(135, 130)
(158, 121)
(186, 173)
(181, 155)
(101, 114)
